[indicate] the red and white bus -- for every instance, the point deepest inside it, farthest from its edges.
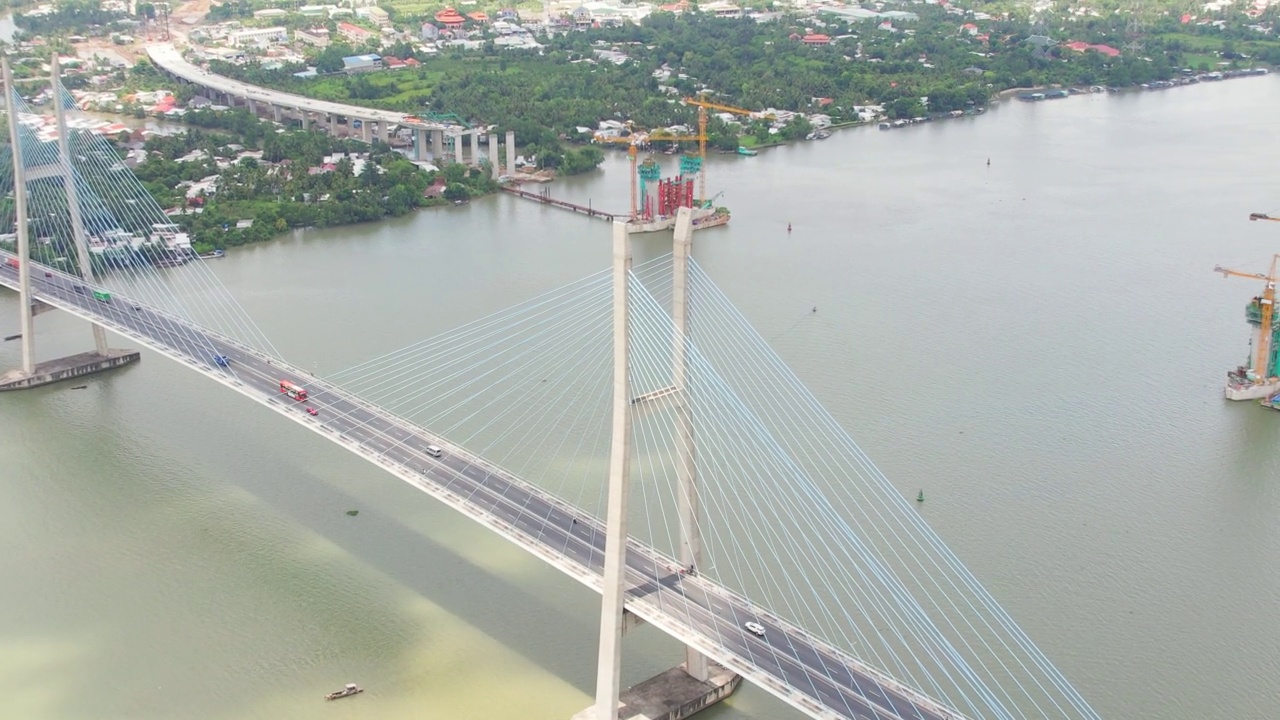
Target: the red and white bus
(293, 391)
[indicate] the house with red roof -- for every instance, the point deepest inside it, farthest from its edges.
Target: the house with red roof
(450, 18)
(815, 39)
(355, 33)
(1081, 46)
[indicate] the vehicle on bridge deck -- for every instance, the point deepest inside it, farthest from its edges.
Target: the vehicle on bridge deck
(312, 411)
(754, 628)
(79, 289)
(293, 391)
(434, 451)
(348, 691)
(12, 262)
(101, 296)
(222, 360)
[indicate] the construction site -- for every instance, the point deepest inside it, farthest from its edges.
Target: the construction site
(655, 200)
(1259, 378)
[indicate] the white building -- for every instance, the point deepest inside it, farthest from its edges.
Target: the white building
(258, 37)
(375, 15)
(318, 37)
(722, 9)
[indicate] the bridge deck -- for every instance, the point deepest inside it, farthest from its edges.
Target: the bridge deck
(806, 672)
(168, 58)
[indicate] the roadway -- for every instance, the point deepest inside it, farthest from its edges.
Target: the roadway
(807, 672)
(168, 58)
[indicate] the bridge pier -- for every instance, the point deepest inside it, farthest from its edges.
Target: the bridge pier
(437, 146)
(33, 374)
(511, 152)
(672, 695)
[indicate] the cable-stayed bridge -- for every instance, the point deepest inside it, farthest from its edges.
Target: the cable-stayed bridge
(630, 429)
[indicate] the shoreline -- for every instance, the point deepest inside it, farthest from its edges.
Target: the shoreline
(998, 97)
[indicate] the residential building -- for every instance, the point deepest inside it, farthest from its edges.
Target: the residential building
(429, 32)
(230, 55)
(355, 34)
(318, 37)
(257, 37)
(723, 9)
(361, 63)
(375, 15)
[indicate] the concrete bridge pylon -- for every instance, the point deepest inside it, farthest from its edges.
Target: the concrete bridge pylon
(696, 683)
(33, 374)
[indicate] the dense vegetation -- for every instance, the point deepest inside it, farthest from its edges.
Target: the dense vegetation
(543, 97)
(68, 16)
(279, 193)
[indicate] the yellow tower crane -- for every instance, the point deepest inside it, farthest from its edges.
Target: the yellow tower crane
(703, 106)
(1263, 366)
(632, 152)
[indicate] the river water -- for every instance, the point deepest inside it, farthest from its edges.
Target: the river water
(1039, 343)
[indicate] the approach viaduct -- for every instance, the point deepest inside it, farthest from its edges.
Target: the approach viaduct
(446, 140)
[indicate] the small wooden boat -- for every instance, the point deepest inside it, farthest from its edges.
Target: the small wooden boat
(79, 387)
(348, 691)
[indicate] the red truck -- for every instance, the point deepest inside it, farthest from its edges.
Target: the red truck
(12, 262)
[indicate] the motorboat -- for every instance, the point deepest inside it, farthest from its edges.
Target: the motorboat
(348, 691)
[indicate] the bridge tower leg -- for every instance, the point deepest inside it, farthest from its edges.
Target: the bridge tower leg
(697, 684)
(73, 196)
(609, 672)
(25, 310)
(34, 374)
(686, 470)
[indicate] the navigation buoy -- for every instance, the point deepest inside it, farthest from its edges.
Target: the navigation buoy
(920, 497)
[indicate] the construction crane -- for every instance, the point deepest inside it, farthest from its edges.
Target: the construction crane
(632, 152)
(1262, 365)
(703, 106)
